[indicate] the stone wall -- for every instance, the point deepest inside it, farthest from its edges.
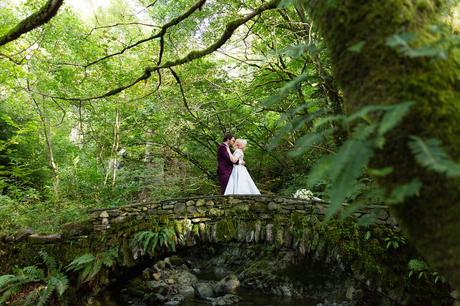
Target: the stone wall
(250, 219)
(210, 209)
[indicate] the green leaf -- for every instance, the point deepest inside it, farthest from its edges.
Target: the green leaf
(427, 51)
(401, 40)
(381, 172)
(304, 142)
(417, 265)
(80, 262)
(363, 112)
(342, 170)
(393, 116)
(367, 236)
(431, 155)
(356, 48)
(285, 90)
(407, 190)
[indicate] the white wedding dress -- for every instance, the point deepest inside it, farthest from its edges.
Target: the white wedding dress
(240, 181)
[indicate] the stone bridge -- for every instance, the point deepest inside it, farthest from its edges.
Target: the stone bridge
(279, 221)
(275, 238)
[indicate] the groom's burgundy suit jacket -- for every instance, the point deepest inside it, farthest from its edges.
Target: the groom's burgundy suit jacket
(224, 166)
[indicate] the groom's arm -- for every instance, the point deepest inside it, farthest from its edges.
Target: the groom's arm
(224, 153)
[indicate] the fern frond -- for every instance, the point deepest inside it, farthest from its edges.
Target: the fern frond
(109, 257)
(407, 190)
(393, 116)
(6, 280)
(60, 282)
(33, 272)
(152, 244)
(431, 155)
(49, 261)
(45, 295)
(80, 262)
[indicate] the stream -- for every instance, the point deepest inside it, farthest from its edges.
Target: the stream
(206, 276)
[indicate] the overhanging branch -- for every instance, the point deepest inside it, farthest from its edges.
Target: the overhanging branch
(160, 34)
(193, 55)
(42, 16)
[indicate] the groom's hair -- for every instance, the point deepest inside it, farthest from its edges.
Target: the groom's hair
(228, 137)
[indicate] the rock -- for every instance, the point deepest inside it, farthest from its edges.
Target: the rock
(155, 268)
(76, 228)
(186, 278)
(204, 290)
(161, 264)
(196, 270)
(179, 208)
(176, 261)
(155, 298)
(175, 300)
(156, 286)
(146, 274)
(104, 214)
(186, 290)
(228, 299)
(220, 272)
(228, 284)
(200, 202)
(156, 275)
(350, 292)
(286, 290)
(38, 238)
(167, 262)
(170, 281)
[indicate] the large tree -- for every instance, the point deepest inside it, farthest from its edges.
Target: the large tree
(382, 72)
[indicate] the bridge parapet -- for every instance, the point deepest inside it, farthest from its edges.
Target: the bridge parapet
(213, 208)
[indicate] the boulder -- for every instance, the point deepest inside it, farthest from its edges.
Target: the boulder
(228, 299)
(228, 284)
(204, 290)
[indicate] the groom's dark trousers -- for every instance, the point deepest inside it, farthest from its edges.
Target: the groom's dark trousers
(224, 166)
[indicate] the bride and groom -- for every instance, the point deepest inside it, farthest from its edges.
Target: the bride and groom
(233, 176)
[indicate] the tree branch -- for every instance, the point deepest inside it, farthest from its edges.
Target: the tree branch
(160, 34)
(38, 18)
(229, 30)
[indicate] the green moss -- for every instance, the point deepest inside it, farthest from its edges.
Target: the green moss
(379, 74)
(226, 230)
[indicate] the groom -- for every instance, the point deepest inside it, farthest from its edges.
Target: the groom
(224, 164)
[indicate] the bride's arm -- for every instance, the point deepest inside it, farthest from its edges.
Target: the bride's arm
(232, 158)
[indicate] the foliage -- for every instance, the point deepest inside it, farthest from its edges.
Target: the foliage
(431, 155)
(151, 242)
(343, 170)
(11, 284)
(419, 268)
(89, 265)
(395, 241)
(46, 285)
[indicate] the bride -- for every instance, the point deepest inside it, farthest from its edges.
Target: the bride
(240, 181)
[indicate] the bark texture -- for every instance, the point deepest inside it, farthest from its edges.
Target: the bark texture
(379, 74)
(42, 16)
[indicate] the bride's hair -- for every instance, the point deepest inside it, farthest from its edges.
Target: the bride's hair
(241, 141)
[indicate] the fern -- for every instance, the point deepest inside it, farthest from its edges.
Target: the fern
(407, 190)
(431, 155)
(343, 170)
(11, 284)
(89, 265)
(150, 242)
(49, 261)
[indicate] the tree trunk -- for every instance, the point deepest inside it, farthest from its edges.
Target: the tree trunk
(114, 160)
(49, 146)
(379, 74)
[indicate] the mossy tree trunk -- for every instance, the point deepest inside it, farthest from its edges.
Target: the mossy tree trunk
(379, 74)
